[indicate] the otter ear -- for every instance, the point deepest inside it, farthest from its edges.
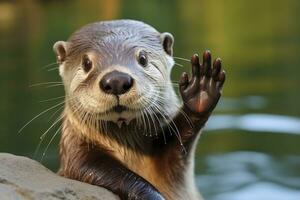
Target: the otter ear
(60, 49)
(167, 41)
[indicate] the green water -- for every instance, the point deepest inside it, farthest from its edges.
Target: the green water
(251, 147)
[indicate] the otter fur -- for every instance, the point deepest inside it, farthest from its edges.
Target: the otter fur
(124, 127)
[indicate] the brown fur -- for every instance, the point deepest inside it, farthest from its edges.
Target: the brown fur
(154, 160)
(162, 170)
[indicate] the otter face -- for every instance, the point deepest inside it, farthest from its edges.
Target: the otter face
(116, 71)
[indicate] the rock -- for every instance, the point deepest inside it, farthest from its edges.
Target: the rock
(23, 178)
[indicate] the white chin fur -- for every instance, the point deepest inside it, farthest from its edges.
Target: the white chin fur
(115, 117)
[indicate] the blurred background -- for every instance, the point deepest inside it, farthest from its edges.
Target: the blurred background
(250, 148)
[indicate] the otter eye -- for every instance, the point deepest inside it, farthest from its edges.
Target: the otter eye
(142, 59)
(86, 64)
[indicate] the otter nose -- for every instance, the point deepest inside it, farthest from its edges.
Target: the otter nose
(116, 83)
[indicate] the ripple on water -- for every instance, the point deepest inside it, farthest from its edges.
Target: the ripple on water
(250, 175)
(256, 122)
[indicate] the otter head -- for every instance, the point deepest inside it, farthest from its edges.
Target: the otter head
(117, 71)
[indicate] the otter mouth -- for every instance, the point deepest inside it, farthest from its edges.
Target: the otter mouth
(121, 120)
(119, 109)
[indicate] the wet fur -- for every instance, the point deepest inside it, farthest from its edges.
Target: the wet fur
(153, 156)
(167, 169)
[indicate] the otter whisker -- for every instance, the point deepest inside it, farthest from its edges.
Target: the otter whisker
(137, 117)
(102, 126)
(49, 65)
(46, 83)
(152, 113)
(79, 111)
(148, 124)
(147, 106)
(188, 119)
(145, 114)
(106, 123)
(55, 85)
(89, 122)
(143, 125)
(41, 113)
(175, 129)
(52, 99)
(52, 69)
(152, 120)
(94, 122)
(84, 116)
(144, 122)
(52, 138)
(157, 118)
(82, 84)
(160, 125)
(179, 58)
(179, 110)
(148, 117)
(180, 65)
(45, 133)
(59, 109)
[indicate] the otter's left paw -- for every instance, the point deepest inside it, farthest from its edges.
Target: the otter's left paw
(201, 93)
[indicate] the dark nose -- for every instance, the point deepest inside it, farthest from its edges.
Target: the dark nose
(116, 83)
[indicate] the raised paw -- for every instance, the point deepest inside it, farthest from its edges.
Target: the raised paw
(201, 93)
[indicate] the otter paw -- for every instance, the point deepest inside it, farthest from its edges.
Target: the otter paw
(201, 93)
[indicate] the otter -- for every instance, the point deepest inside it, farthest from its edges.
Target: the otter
(124, 127)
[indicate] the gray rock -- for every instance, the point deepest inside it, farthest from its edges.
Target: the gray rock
(24, 179)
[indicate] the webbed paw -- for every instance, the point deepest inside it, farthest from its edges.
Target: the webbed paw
(201, 93)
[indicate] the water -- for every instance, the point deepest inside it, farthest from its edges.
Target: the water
(250, 148)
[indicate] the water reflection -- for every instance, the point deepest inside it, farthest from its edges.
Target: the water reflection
(255, 123)
(249, 102)
(250, 175)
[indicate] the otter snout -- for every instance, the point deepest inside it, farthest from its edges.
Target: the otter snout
(116, 83)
